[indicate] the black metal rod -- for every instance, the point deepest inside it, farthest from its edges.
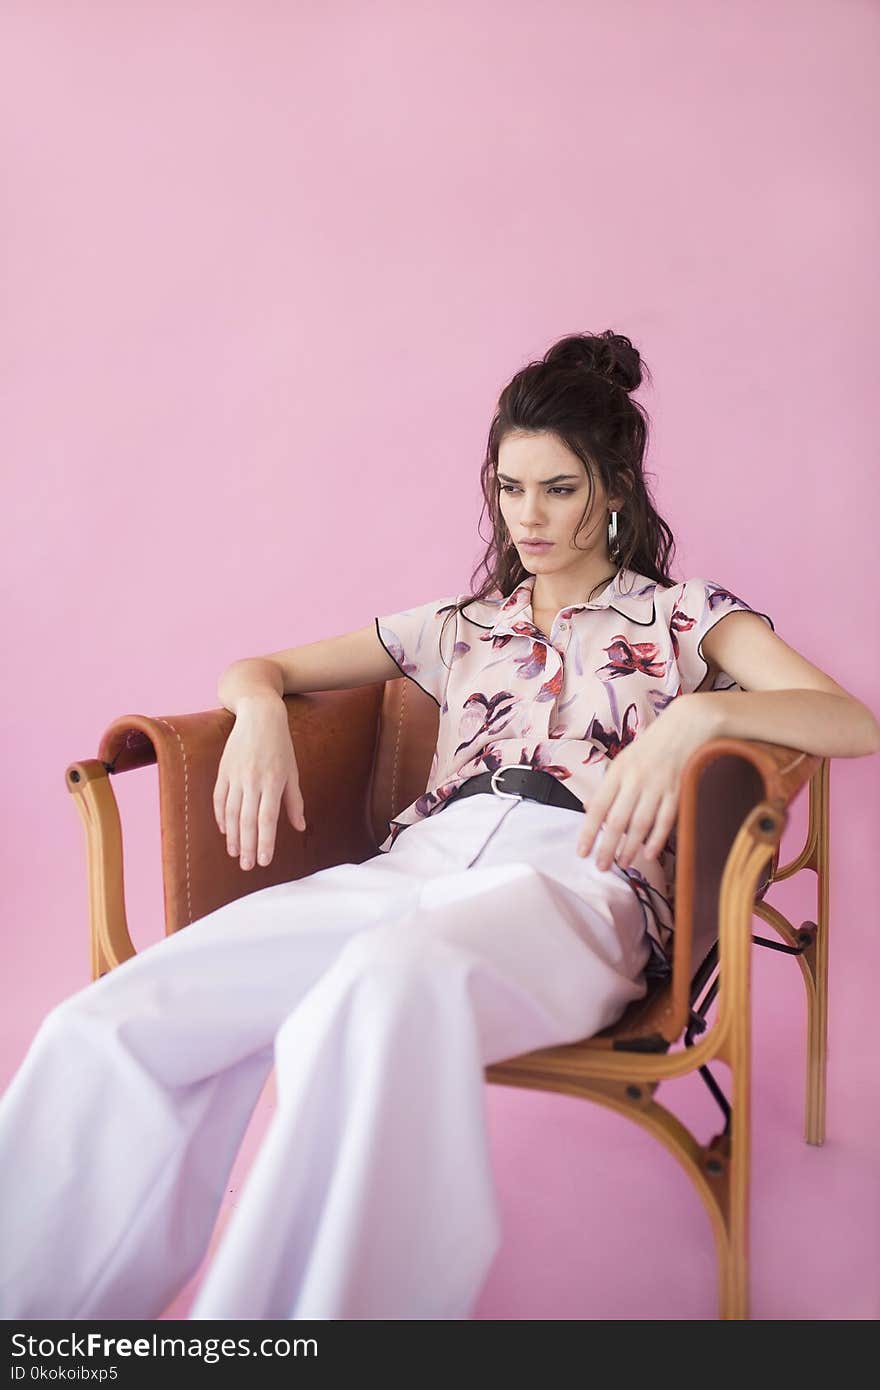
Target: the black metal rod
(780, 946)
(719, 1096)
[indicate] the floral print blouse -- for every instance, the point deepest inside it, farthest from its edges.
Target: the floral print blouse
(566, 702)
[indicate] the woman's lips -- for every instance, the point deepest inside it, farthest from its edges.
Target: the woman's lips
(536, 545)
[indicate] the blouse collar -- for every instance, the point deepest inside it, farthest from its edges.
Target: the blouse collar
(628, 593)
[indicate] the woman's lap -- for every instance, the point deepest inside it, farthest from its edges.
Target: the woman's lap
(498, 880)
(479, 844)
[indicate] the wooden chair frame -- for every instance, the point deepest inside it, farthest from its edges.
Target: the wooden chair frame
(364, 753)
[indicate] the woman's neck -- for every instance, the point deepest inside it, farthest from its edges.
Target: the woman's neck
(548, 597)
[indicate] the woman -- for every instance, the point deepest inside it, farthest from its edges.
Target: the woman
(507, 910)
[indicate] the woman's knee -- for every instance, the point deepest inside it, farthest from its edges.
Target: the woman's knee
(96, 1003)
(398, 956)
(60, 1023)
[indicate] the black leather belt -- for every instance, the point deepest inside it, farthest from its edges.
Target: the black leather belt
(515, 781)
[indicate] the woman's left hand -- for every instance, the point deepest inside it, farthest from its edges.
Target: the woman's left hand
(638, 796)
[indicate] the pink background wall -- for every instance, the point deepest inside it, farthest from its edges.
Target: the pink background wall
(266, 268)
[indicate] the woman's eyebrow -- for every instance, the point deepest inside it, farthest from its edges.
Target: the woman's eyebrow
(560, 478)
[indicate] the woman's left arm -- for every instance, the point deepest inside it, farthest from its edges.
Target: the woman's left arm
(784, 699)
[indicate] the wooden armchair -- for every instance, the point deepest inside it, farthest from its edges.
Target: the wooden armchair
(365, 753)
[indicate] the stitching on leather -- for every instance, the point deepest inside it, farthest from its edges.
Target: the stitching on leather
(396, 762)
(185, 810)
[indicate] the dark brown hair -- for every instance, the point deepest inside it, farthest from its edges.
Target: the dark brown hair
(579, 391)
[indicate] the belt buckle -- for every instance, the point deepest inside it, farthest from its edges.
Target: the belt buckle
(513, 796)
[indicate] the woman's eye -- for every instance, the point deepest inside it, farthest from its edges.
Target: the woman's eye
(509, 487)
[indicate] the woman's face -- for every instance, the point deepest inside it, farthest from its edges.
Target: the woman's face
(542, 493)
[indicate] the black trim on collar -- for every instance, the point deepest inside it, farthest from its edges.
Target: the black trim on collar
(639, 622)
(649, 622)
(486, 626)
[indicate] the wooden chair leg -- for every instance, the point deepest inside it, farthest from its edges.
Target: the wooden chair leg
(817, 1042)
(762, 829)
(734, 1279)
(817, 962)
(726, 1162)
(811, 942)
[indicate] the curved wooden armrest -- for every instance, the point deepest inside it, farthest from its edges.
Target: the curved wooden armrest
(334, 734)
(723, 783)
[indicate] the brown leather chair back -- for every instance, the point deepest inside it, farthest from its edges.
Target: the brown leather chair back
(408, 725)
(728, 789)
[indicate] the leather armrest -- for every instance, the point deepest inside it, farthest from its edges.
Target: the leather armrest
(722, 782)
(334, 734)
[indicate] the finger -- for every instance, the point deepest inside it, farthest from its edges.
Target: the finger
(662, 825)
(294, 805)
(221, 788)
(233, 811)
(595, 814)
(640, 826)
(248, 824)
(615, 826)
(267, 820)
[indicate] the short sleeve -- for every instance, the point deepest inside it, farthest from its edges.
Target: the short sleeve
(698, 606)
(412, 638)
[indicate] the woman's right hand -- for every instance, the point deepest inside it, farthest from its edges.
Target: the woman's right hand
(257, 772)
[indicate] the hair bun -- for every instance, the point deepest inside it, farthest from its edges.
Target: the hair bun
(610, 355)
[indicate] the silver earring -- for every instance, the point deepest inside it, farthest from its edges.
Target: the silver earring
(612, 533)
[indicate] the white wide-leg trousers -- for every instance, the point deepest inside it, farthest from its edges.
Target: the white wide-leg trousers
(379, 991)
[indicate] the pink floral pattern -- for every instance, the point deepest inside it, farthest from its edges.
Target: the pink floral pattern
(567, 701)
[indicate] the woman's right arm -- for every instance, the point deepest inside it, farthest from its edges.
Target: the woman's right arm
(258, 767)
(336, 663)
